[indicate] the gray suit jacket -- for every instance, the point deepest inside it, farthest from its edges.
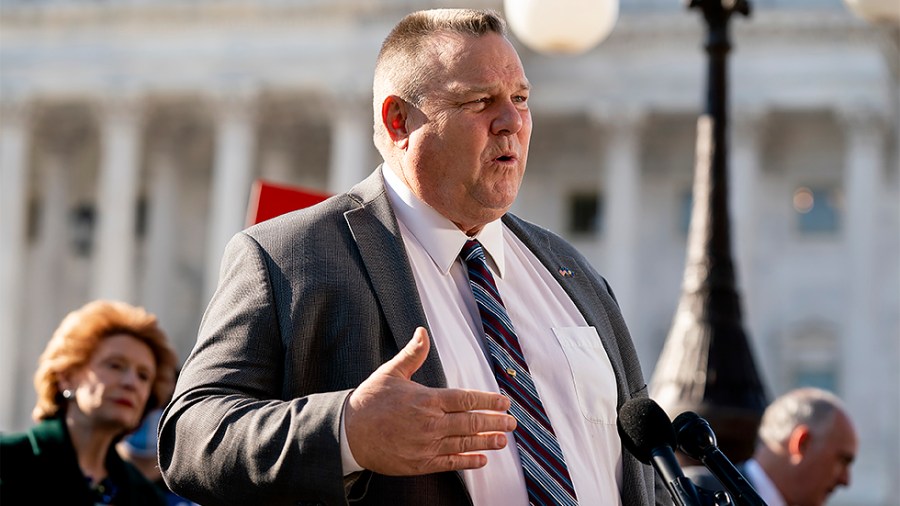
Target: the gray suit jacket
(308, 306)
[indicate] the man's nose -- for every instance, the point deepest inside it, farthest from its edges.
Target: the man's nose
(508, 121)
(844, 478)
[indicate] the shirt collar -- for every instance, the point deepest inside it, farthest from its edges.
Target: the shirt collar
(763, 484)
(440, 238)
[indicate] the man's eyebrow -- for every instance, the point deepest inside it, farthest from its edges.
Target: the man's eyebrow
(460, 88)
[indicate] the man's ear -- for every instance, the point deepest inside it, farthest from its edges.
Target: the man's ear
(798, 443)
(394, 116)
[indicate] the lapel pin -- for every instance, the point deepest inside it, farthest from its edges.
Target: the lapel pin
(566, 272)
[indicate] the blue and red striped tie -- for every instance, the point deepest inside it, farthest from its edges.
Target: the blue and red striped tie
(546, 476)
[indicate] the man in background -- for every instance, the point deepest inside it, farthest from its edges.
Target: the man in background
(806, 445)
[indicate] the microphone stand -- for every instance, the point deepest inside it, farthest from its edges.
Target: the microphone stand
(714, 497)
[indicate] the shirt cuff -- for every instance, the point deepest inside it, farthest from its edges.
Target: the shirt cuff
(348, 463)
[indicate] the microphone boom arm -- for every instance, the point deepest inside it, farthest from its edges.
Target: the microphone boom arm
(698, 441)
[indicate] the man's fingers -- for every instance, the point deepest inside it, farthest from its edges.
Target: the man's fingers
(410, 358)
(457, 400)
(473, 443)
(468, 423)
(395, 426)
(456, 462)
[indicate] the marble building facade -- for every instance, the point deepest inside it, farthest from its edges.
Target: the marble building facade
(130, 134)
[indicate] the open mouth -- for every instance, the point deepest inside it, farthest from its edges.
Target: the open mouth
(505, 158)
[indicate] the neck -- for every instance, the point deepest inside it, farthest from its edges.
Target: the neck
(776, 466)
(470, 232)
(471, 227)
(91, 445)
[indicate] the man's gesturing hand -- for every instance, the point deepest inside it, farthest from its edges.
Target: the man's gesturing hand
(398, 427)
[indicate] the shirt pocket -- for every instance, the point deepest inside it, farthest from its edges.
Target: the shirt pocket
(592, 373)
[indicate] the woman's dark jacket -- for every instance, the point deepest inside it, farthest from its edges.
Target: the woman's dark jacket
(40, 467)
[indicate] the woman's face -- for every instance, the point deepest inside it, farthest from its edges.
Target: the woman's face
(112, 389)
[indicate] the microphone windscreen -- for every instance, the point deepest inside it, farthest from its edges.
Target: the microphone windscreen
(643, 427)
(693, 434)
(681, 421)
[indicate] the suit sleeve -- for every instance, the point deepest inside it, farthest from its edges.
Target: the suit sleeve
(229, 436)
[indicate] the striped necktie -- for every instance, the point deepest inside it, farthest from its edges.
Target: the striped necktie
(546, 476)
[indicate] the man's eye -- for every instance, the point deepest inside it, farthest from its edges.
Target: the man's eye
(520, 99)
(478, 104)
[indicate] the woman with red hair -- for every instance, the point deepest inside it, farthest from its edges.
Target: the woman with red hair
(107, 365)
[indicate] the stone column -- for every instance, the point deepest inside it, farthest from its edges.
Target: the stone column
(748, 126)
(351, 137)
(46, 263)
(14, 139)
(114, 270)
(162, 231)
(869, 377)
(235, 146)
(622, 220)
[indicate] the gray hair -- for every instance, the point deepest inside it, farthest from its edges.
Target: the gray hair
(404, 67)
(813, 407)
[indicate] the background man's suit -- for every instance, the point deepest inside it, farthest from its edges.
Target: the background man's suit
(312, 303)
(703, 478)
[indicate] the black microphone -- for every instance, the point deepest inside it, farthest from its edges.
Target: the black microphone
(647, 433)
(697, 440)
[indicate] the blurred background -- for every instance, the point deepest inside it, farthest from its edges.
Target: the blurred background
(131, 131)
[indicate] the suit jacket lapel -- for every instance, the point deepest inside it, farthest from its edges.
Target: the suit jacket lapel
(377, 235)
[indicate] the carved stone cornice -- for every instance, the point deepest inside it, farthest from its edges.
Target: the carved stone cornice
(178, 126)
(15, 111)
(37, 15)
(862, 118)
(64, 128)
(749, 120)
(631, 117)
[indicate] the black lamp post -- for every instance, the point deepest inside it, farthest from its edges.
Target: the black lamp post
(707, 365)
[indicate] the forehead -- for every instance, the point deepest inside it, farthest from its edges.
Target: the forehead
(125, 346)
(487, 61)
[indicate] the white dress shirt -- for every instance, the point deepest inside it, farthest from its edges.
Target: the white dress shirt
(763, 484)
(568, 363)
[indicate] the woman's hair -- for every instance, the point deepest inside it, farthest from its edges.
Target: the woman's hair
(79, 334)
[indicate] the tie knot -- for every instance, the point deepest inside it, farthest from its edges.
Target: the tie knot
(472, 250)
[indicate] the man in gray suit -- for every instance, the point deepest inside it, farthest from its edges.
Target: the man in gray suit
(804, 451)
(344, 357)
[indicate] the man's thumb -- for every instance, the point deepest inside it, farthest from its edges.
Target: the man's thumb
(411, 357)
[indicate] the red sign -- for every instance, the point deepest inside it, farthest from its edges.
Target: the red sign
(268, 200)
